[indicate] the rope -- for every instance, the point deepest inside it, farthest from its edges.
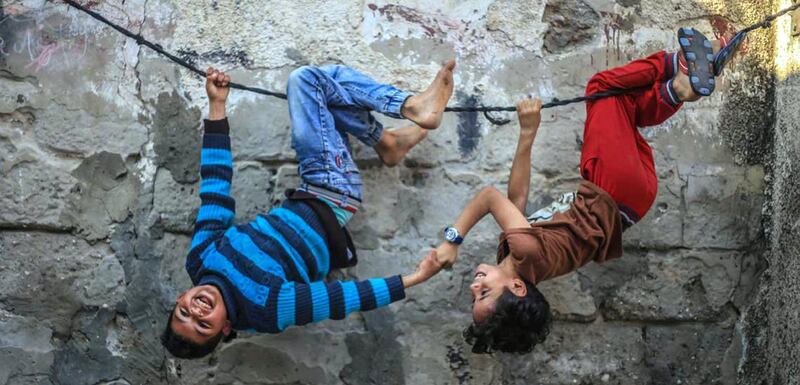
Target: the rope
(766, 23)
(157, 47)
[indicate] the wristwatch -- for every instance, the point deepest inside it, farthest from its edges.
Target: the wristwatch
(451, 235)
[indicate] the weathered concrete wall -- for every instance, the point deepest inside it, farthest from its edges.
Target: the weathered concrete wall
(99, 144)
(769, 325)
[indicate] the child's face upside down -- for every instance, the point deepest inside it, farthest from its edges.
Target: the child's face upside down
(489, 284)
(200, 314)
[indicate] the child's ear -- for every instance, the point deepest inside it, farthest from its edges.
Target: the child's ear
(227, 329)
(518, 287)
(230, 337)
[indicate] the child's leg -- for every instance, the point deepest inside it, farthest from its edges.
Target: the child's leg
(639, 73)
(355, 89)
(615, 156)
(323, 151)
(362, 91)
(653, 73)
(349, 96)
(424, 109)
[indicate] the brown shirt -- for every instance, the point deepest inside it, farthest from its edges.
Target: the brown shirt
(589, 230)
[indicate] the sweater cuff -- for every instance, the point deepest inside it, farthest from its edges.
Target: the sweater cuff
(396, 289)
(216, 126)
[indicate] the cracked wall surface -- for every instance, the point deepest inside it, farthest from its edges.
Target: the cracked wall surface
(99, 150)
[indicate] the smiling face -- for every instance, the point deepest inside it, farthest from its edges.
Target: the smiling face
(489, 284)
(200, 314)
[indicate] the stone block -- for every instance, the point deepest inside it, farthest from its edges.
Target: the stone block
(438, 197)
(54, 275)
(678, 285)
(252, 189)
(519, 22)
(112, 128)
(105, 346)
(261, 130)
(176, 203)
(105, 195)
(177, 137)
(555, 153)
(596, 353)
(94, 89)
(686, 354)
(568, 300)
(16, 93)
(388, 198)
(570, 23)
(723, 206)
(34, 193)
(172, 276)
(290, 357)
(25, 347)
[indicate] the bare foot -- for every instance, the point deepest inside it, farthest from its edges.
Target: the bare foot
(395, 144)
(426, 109)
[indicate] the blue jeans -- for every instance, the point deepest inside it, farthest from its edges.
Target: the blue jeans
(327, 103)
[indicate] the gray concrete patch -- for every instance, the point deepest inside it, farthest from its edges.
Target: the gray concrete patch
(571, 23)
(104, 196)
(177, 137)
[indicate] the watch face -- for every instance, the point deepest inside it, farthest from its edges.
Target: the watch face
(450, 234)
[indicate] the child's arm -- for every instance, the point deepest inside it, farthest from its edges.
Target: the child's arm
(508, 212)
(488, 201)
(294, 303)
(529, 113)
(217, 207)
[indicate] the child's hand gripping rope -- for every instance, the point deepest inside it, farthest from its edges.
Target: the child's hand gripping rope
(217, 89)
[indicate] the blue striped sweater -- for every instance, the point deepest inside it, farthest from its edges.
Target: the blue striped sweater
(270, 271)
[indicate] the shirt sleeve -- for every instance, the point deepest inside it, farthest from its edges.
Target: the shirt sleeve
(217, 207)
(294, 303)
(525, 250)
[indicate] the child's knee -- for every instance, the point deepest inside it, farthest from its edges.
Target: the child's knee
(596, 83)
(301, 76)
(491, 192)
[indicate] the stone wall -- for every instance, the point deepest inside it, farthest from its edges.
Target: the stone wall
(99, 149)
(769, 327)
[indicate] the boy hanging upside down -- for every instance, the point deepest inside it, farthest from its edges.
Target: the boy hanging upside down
(268, 274)
(619, 187)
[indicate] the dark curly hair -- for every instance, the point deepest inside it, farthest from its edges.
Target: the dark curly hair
(517, 325)
(182, 348)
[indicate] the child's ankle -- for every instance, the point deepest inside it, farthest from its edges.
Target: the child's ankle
(681, 89)
(669, 94)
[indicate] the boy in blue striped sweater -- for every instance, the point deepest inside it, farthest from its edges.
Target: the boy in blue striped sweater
(268, 274)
